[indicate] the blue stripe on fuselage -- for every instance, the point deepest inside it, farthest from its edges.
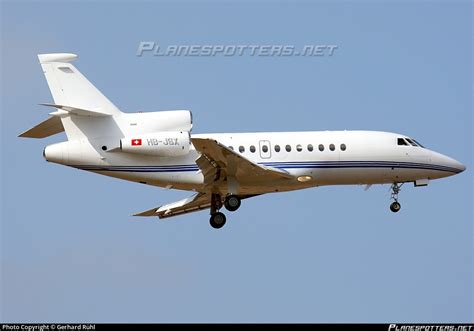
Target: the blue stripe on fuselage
(279, 165)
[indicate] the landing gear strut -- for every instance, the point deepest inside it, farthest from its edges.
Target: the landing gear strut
(217, 219)
(232, 202)
(395, 205)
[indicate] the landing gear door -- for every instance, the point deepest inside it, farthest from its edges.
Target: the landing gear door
(265, 150)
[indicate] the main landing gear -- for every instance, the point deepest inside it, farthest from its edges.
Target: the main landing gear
(395, 205)
(231, 203)
(217, 220)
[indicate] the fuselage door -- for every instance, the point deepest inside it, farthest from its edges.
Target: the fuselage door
(265, 150)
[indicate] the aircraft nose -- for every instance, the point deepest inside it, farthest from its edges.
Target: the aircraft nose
(449, 163)
(452, 163)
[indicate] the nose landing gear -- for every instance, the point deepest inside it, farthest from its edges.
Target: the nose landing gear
(395, 205)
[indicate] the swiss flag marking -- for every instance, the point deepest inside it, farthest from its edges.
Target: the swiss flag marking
(136, 142)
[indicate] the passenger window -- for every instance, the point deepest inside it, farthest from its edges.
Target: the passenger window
(332, 147)
(264, 148)
(241, 149)
(231, 148)
(343, 147)
(277, 148)
(288, 148)
(252, 149)
(299, 148)
(310, 147)
(321, 147)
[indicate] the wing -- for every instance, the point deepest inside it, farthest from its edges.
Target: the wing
(197, 202)
(218, 161)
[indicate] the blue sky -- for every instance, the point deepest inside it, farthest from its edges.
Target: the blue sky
(71, 252)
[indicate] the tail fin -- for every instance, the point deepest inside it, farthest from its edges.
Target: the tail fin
(82, 110)
(69, 87)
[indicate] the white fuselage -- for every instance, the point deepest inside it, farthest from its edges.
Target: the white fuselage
(313, 158)
(158, 148)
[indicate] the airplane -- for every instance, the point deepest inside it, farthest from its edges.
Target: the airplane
(222, 169)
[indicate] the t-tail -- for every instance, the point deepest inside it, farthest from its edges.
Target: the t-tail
(73, 95)
(93, 125)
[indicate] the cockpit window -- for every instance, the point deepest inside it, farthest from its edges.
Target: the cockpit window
(418, 143)
(411, 142)
(408, 142)
(402, 142)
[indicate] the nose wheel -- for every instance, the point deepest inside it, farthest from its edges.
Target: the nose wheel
(395, 205)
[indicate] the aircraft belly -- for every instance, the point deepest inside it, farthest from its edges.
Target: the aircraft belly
(177, 180)
(347, 176)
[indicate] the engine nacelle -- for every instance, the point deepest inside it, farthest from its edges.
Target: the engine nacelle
(158, 144)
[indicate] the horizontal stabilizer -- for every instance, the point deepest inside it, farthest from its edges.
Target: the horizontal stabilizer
(45, 129)
(76, 111)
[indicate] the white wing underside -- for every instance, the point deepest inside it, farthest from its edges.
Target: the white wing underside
(197, 202)
(217, 163)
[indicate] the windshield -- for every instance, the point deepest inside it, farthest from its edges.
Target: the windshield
(418, 143)
(408, 142)
(411, 142)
